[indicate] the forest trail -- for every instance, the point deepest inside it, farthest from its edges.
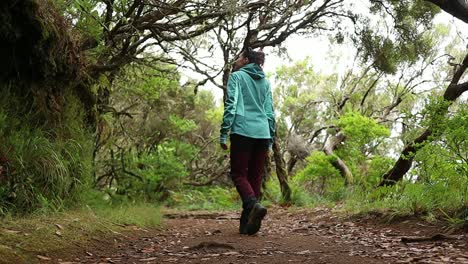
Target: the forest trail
(302, 236)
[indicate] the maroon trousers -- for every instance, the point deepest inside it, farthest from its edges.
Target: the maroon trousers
(248, 157)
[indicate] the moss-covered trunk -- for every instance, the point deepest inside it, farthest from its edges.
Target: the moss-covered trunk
(45, 150)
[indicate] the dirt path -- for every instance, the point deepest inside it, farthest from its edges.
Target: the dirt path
(307, 236)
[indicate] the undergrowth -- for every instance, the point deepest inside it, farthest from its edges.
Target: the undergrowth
(42, 166)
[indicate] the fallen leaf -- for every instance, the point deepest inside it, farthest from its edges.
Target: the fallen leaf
(149, 259)
(8, 231)
(43, 257)
(229, 253)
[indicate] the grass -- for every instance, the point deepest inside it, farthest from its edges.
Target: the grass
(23, 239)
(444, 201)
(209, 198)
(438, 202)
(44, 164)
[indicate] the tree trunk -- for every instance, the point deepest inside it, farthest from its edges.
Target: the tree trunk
(281, 173)
(291, 163)
(403, 164)
(266, 174)
(330, 146)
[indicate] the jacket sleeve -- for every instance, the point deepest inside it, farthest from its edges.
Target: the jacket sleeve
(270, 112)
(229, 107)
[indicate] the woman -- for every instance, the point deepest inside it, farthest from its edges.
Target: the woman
(249, 119)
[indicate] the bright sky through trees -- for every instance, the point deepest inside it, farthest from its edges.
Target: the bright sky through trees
(326, 57)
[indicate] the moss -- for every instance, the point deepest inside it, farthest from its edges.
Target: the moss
(41, 52)
(41, 56)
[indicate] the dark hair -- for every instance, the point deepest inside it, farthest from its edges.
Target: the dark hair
(257, 57)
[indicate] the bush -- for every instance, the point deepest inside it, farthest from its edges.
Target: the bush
(319, 176)
(156, 173)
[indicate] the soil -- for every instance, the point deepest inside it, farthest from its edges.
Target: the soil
(301, 236)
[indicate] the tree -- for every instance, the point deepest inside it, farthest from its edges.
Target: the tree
(129, 30)
(457, 8)
(157, 136)
(102, 37)
(311, 102)
(454, 90)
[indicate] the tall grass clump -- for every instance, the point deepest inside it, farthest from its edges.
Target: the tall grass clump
(42, 166)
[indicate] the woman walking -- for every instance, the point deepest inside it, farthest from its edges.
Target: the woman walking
(249, 119)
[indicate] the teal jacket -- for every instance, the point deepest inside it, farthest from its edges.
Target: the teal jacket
(248, 110)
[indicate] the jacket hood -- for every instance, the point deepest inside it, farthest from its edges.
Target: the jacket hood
(254, 71)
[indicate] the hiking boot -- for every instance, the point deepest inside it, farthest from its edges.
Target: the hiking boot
(243, 221)
(247, 206)
(254, 220)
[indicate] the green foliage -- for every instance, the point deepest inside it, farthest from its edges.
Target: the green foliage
(309, 195)
(181, 126)
(272, 192)
(206, 198)
(437, 186)
(361, 130)
(363, 136)
(319, 166)
(446, 156)
(456, 139)
(381, 51)
(407, 43)
(156, 172)
(38, 46)
(435, 112)
(214, 115)
(162, 141)
(294, 94)
(409, 11)
(318, 177)
(373, 170)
